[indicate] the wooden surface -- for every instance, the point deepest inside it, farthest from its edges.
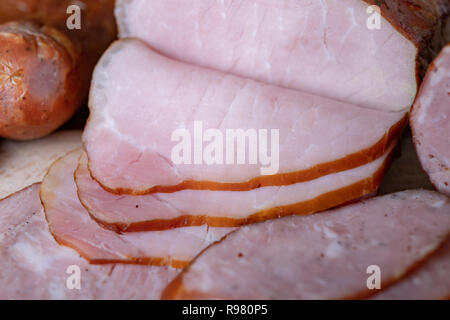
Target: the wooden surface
(405, 171)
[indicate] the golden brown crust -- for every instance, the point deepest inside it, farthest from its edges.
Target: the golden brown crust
(154, 261)
(175, 290)
(323, 202)
(42, 80)
(351, 161)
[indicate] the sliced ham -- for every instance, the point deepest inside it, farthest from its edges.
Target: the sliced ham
(430, 122)
(159, 211)
(322, 47)
(34, 265)
(323, 256)
(25, 163)
(430, 281)
(129, 134)
(72, 226)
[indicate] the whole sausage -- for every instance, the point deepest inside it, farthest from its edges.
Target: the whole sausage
(42, 80)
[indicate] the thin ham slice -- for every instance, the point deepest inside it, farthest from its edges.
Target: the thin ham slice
(72, 226)
(323, 47)
(128, 135)
(35, 265)
(430, 122)
(429, 282)
(124, 213)
(323, 256)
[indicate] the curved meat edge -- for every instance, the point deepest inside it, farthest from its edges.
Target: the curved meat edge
(358, 189)
(177, 289)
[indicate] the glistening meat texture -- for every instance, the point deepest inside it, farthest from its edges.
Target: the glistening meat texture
(136, 107)
(430, 122)
(71, 225)
(159, 211)
(323, 256)
(323, 47)
(35, 264)
(429, 281)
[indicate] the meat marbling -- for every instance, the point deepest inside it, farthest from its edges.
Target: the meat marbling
(35, 265)
(157, 211)
(330, 48)
(72, 226)
(323, 256)
(128, 135)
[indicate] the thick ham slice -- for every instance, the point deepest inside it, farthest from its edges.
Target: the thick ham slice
(430, 122)
(196, 207)
(35, 265)
(322, 47)
(129, 134)
(323, 256)
(72, 226)
(430, 281)
(25, 163)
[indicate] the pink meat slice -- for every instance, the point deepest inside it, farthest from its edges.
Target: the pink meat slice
(224, 208)
(72, 226)
(430, 122)
(323, 47)
(324, 256)
(128, 136)
(35, 264)
(430, 281)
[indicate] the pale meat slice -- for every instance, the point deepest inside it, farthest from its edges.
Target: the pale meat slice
(323, 256)
(430, 281)
(35, 266)
(329, 47)
(25, 163)
(430, 122)
(128, 137)
(71, 225)
(158, 211)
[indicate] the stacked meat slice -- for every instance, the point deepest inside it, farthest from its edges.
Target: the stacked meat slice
(333, 79)
(325, 256)
(337, 88)
(37, 267)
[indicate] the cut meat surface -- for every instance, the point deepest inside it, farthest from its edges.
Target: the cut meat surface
(323, 256)
(329, 48)
(197, 207)
(430, 281)
(72, 226)
(25, 163)
(35, 265)
(307, 45)
(430, 122)
(129, 136)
